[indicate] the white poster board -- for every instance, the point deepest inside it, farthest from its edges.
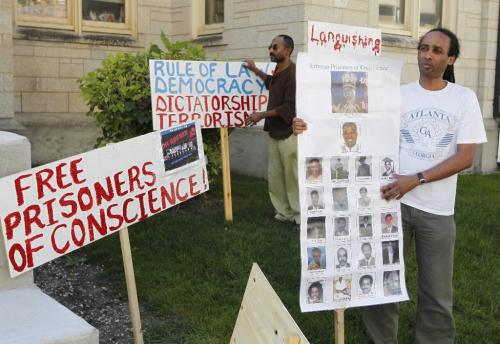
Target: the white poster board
(52, 210)
(325, 38)
(215, 94)
(351, 239)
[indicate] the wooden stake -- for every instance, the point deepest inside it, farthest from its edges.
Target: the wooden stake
(226, 174)
(339, 326)
(133, 302)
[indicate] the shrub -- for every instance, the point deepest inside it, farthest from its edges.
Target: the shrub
(119, 96)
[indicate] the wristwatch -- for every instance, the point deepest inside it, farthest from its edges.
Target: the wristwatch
(421, 179)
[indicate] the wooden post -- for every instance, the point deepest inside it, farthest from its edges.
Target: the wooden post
(226, 174)
(339, 326)
(133, 303)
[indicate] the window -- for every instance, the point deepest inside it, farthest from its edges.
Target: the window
(412, 17)
(210, 14)
(109, 16)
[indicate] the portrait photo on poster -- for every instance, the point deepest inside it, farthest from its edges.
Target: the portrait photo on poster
(339, 166)
(342, 258)
(389, 222)
(363, 166)
(316, 228)
(365, 226)
(351, 135)
(390, 252)
(366, 283)
(315, 291)
(316, 257)
(341, 226)
(342, 287)
(315, 200)
(391, 283)
(179, 146)
(367, 256)
(314, 170)
(364, 201)
(349, 92)
(340, 199)
(387, 167)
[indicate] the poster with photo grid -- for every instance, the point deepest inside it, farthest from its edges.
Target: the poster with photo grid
(351, 238)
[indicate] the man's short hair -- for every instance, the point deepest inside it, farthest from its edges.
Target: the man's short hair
(313, 160)
(288, 42)
(349, 124)
(388, 215)
(316, 250)
(363, 189)
(314, 192)
(366, 276)
(366, 244)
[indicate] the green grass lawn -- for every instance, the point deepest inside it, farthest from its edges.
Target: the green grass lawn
(192, 265)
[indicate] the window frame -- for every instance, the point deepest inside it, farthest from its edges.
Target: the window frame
(77, 24)
(202, 29)
(411, 26)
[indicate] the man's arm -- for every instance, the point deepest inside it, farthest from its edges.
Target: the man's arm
(461, 160)
(250, 64)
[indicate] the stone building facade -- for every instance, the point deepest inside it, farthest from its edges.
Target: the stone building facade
(46, 45)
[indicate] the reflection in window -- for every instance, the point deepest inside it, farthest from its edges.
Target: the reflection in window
(214, 12)
(392, 12)
(42, 8)
(430, 13)
(104, 10)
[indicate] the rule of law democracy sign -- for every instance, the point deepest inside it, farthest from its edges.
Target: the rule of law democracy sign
(51, 210)
(214, 93)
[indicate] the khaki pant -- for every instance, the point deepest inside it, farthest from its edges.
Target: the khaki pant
(282, 177)
(434, 244)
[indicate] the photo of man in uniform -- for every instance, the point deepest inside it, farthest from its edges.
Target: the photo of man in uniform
(340, 168)
(349, 92)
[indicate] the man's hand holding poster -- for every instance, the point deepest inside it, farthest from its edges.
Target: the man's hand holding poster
(351, 239)
(51, 210)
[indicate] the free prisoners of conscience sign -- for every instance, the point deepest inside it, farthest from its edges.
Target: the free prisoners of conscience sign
(51, 210)
(351, 238)
(216, 94)
(329, 37)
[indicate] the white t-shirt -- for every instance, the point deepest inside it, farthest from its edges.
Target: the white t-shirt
(432, 124)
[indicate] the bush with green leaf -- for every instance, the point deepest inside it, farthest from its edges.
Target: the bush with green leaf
(119, 96)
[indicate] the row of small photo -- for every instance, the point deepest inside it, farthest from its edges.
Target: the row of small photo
(344, 169)
(363, 227)
(341, 258)
(350, 287)
(360, 198)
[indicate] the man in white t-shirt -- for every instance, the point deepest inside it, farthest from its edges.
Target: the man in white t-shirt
(441, 123)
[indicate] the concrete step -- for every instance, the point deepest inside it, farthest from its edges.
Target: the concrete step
(28, 316)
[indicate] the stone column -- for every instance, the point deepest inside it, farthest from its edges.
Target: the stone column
(7, 121)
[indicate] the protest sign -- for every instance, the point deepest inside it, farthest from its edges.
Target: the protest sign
(351, 239)
(51, 210)
(216, 94)
(329, 37)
